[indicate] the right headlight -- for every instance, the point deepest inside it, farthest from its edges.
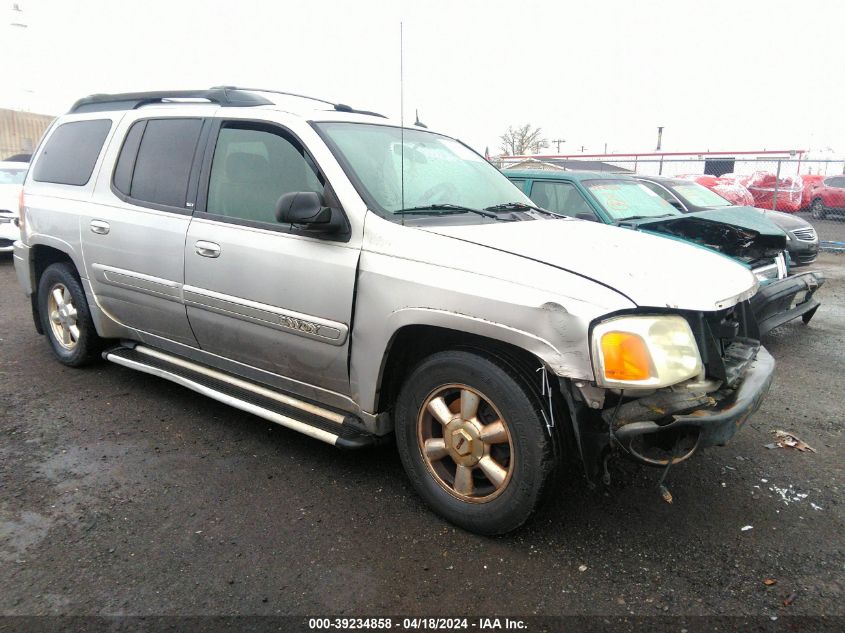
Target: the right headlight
(644, 351)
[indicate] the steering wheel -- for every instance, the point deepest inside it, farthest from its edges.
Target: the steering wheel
(441, 192)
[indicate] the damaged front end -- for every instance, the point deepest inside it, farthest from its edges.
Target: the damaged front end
(669, 424)
(752, 239)
(748, 238)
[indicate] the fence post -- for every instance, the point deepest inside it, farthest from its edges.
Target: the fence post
(661, 166)
(777, 183)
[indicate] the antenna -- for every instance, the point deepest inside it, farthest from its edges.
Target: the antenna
(402, 121)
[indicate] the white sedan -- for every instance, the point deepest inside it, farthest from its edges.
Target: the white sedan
(12, 175)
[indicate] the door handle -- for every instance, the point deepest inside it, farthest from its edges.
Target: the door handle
(207, 249)
(100, 227)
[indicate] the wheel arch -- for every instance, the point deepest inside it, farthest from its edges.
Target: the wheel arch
(41, 257)
(374, 350)
(412, 343)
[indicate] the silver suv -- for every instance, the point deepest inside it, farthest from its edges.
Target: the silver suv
(335, 273)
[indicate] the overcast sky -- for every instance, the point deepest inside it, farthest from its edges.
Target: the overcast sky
(718, 75)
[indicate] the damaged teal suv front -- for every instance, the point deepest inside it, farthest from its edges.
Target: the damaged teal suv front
(747, 237)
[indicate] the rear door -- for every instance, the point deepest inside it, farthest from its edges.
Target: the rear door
(260, 292)
(133, 237)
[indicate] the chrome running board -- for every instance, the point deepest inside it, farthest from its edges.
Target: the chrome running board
(332, 427)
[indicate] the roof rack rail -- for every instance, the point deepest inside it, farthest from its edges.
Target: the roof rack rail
(340, 107)
(226, 97)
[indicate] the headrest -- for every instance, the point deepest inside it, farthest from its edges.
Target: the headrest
(245, 167)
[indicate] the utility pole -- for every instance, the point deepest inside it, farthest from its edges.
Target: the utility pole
(605, 148)
(557, 142)
(583, 149)
(659, 138)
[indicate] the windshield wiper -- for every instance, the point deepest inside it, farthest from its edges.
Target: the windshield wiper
(447, 209)
(521, 206)
(645, 217)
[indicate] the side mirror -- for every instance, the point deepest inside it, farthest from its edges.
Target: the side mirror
(305, 209)
(302, 207)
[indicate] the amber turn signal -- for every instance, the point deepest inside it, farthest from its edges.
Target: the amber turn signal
(626, 356)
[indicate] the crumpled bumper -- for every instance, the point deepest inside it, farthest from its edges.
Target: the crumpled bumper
(22, 266)
(711, 426)
(781, 301)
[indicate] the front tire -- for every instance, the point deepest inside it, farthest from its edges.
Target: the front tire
(817, 209)
(471, 436)
(65, 316)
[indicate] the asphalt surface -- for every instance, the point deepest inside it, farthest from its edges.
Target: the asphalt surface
(121, 493)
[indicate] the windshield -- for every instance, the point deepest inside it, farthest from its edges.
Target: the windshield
(438, 170)
(625, 199)
(701, 196)
(12, 176)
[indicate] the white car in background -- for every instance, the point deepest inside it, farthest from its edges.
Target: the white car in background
(12, 175)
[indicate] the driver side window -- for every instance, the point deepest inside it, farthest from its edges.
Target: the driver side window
(561, 197)
(253, 167)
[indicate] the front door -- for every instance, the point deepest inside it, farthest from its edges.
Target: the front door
(257, 291)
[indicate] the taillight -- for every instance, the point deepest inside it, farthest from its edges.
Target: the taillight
(21, 214)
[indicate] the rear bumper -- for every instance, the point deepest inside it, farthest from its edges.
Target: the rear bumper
(717, 425)
(781, 301)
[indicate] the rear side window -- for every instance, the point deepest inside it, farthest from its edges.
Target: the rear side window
(70, 153)
(126, 161)
(163, 164)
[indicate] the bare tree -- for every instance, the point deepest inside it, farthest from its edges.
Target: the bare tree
(523, 139)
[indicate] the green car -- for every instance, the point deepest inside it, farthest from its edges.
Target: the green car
(741, 234)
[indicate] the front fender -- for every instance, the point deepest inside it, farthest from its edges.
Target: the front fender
(395, 294)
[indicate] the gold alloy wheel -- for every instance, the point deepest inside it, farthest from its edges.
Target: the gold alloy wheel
(465, 443)
(63, 315)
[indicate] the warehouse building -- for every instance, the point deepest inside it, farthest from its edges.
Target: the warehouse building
(20, 132)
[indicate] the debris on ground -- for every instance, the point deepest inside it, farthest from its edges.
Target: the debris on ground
(745, 528)
(784, 439)
(789, 494)
(789, 599)
(770, 581)
(582, 568)
(665, 494)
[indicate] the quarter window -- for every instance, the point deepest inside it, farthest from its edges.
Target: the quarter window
(252, 168)
(69, 156)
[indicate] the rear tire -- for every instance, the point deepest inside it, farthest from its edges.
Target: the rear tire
(65, 316)
(817, 209)
(472, 438)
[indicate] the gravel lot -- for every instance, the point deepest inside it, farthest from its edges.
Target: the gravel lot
(121, 493)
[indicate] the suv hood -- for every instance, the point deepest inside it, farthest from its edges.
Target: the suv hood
(649, 270)
(739, 232)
